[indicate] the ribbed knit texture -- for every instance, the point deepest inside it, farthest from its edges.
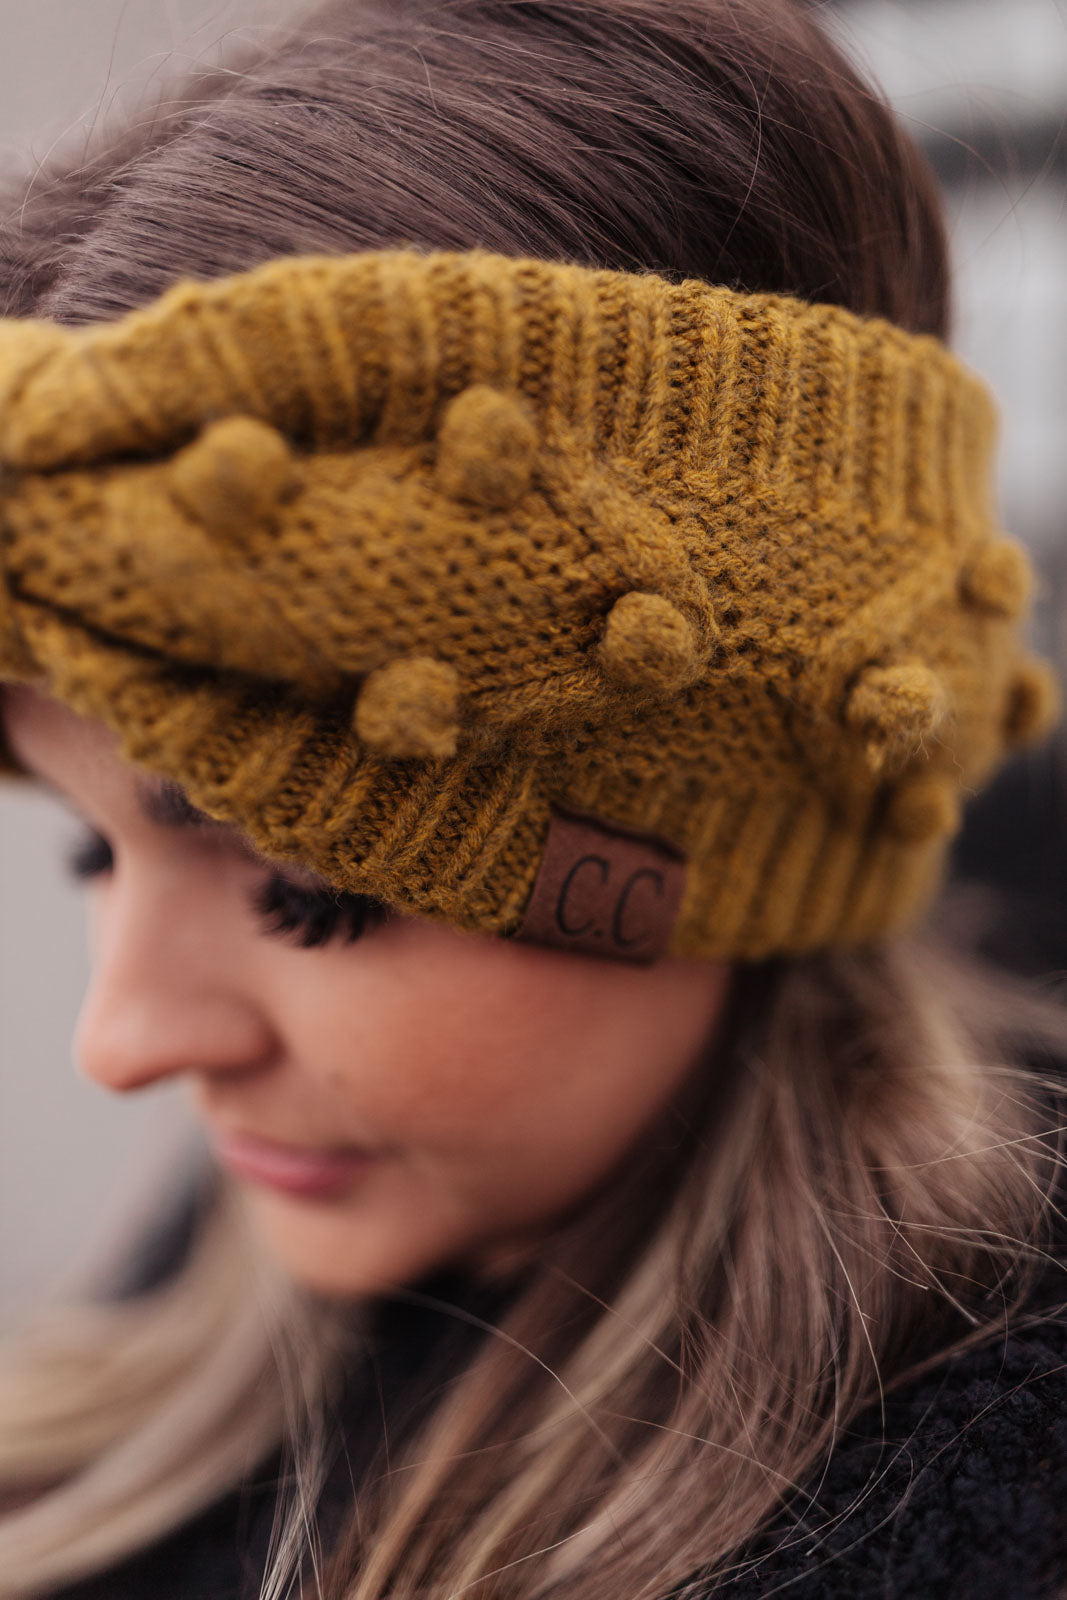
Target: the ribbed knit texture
(383, 556)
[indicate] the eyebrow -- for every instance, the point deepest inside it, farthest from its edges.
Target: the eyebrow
(163, 802)
(167, 804)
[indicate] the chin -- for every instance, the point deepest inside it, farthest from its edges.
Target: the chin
(338, 1256)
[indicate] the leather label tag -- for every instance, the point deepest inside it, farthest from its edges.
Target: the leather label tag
(604, 890)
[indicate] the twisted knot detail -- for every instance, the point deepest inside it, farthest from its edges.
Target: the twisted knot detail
(25, 348)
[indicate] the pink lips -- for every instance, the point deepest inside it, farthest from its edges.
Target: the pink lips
(295, 1169)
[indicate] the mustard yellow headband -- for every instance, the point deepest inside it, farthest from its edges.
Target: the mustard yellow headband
(630, 617)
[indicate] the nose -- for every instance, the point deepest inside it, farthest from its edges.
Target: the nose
(168, 995)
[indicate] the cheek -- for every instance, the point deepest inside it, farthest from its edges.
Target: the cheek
(501, 1073)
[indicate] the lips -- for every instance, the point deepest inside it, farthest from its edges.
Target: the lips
(310, 1171)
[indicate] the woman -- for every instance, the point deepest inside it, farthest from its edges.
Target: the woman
(516, 622)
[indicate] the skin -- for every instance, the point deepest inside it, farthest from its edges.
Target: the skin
(495, 1083)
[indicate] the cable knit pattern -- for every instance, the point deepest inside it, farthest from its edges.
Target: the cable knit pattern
(384, 557)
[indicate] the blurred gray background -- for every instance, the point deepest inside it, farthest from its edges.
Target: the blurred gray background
(982, 84)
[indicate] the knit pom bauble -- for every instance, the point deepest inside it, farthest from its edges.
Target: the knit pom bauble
(1035, 702)
(409, 709)
(234, 475)
(999, 580)
(924, 809)
(895, 709)
(649, 644)
(486, 448)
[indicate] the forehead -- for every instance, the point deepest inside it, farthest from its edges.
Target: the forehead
(41, 729)
(54, 743)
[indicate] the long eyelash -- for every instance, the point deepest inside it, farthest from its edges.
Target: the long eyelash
(316, 916)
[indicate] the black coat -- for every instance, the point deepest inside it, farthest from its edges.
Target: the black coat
(964, 1498)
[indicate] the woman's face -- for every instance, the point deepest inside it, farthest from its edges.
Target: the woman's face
(417, 1098)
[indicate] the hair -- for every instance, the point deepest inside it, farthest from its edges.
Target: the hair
(866, 1178)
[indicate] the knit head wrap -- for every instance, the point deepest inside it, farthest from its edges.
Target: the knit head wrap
(629, 617)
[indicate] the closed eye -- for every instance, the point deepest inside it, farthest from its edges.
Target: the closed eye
(315, 916)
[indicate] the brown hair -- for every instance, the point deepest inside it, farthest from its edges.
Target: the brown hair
(862, 1184)
(714, 139)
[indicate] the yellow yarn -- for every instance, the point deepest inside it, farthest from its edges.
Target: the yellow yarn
(234, 476)
(926, 808)
(392, 559)
(1034, 702)
(409, 709)
(15, 662)
(648, 643)
(1000, 580)
(896, 708)
(485, 448)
